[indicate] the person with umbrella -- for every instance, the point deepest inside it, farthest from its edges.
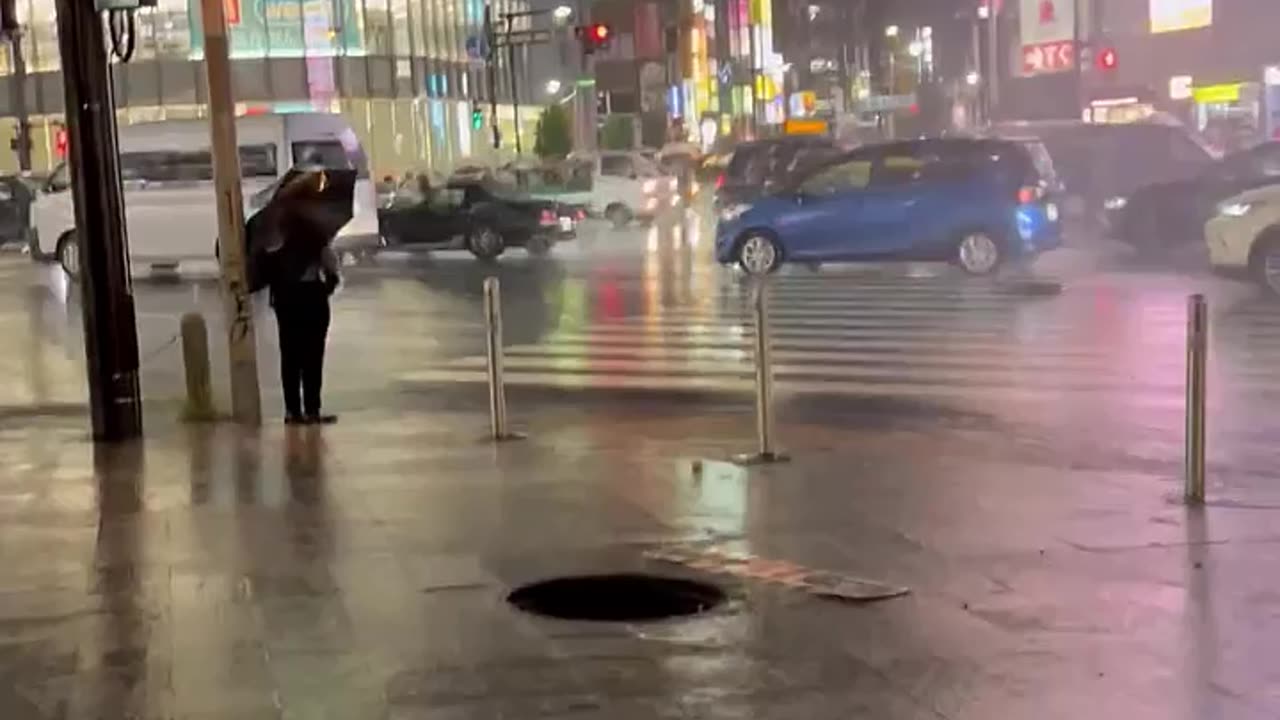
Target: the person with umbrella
(291, 254)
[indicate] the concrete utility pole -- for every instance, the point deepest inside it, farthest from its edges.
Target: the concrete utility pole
(110, 328)
(246, 401)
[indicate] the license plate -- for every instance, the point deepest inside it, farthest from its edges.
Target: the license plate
(566, 224)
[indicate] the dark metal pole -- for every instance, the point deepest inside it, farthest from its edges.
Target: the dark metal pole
(1197, 372)
(515, 87)
(18, 98)
(110, 330)
(491, 54)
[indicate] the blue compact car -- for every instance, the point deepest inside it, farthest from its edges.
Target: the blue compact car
(978, 203)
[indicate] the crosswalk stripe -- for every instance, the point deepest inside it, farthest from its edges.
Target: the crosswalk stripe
(913, 339)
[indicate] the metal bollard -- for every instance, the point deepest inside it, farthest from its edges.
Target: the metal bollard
(195, 362)
(493, 339)
(764, 384)
(1197, 369)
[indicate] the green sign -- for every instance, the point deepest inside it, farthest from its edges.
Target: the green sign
(286, 28)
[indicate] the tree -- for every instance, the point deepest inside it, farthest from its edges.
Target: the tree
(619, 133)
(554, 136)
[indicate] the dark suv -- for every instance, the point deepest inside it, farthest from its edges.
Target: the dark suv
(758, 165)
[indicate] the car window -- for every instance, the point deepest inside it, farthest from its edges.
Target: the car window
(1257, 163)
(1268, 160)
(841, 177)
(645, 167)
(193, 165)
(446, 199)
(616, 166)
(898, 169)
(331, 155)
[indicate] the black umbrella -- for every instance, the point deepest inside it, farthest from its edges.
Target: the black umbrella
(306, 210)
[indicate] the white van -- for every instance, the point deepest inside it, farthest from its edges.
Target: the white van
(621, 185)
(170, 207)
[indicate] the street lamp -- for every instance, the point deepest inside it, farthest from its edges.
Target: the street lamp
(915, 49)
(891, 31)
(553, 87)
(562, 13)
(973, 78)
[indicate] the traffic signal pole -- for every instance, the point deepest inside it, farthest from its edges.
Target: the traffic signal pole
(110, 327)
(246, 401)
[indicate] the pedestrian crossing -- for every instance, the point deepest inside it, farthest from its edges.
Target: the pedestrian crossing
(946, 339)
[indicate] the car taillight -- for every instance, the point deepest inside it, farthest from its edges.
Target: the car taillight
(720, 181)
(549, 217)
(1030, 194)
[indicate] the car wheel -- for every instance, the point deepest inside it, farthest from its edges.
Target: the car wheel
(759, 254)
(1265, 262)
(485, 243)
(978, 253)
(538, 247)
(68, 253)
(619, 215)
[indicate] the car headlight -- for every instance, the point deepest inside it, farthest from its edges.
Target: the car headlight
(733, 212)
(1115, 203)
(650, 185)
(1234, 209)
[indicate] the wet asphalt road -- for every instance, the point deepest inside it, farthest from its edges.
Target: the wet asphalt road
(643, 316)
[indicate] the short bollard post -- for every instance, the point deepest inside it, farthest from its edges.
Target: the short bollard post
(1197, 369)
(493, 339)
(195, 361)
(767, 452)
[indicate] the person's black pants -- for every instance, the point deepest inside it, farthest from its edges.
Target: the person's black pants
(302, 317)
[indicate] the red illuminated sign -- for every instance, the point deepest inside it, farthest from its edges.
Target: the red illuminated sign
(1048, 57)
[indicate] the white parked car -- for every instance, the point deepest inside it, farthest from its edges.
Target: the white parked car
(1244, 236)
(170, 206)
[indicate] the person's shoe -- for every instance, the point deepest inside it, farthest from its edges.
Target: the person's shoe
(294, 419)
(322, 419)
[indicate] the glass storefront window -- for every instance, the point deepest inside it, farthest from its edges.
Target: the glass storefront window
(284, 37)
(418, 27)
(400, 20)
(41, 40)
(377, 27)
(172, 30)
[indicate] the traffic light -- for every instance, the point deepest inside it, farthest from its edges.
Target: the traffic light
(1107, 59)
(477, 118)
(594, 37)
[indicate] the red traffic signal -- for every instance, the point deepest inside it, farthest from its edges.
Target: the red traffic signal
(1107, 59)
(595, 37)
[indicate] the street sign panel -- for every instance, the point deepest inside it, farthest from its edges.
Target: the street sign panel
(525, 37)
(887, 103)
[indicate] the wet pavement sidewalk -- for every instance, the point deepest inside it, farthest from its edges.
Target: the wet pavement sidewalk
(360, 571)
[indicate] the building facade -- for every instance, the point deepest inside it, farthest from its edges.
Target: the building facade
(398, 70)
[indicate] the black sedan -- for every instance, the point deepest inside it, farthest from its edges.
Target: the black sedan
(482, 215)
(1167, 214)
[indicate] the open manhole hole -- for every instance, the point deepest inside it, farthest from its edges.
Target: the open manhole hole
(616, 598)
